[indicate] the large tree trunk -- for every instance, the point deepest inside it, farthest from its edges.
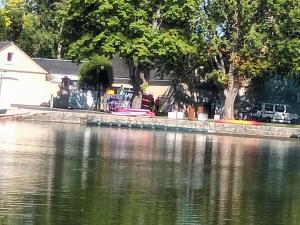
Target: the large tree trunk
(138, 77)
(230, 94)
(135, 81)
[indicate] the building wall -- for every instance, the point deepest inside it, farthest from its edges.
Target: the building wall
(27, 88)
(22, 81)
(155, 90)
(20, 61)
(158, 91)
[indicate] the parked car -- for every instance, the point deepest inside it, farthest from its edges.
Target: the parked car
(273, 112)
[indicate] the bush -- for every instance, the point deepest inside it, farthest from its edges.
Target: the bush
(96, 73)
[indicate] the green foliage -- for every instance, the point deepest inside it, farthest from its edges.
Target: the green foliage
(96, 72)
(141, 31)
(234, 41)
(2, 25)
(35, 39)
(14, 11)
(218, 76)
(284, 26)
(247, 38)
(32, 25)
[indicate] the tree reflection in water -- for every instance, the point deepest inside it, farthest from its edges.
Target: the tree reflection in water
(72, 174)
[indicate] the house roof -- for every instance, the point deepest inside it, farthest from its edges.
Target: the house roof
(29, 65)
(120, 68)
(69, 67)
(58, 66)
(4, 44)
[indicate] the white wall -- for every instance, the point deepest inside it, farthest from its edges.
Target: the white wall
(158, 91)
(23, 81)
(20, 61)
(26, 88)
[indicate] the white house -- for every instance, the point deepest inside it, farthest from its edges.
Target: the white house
(22, 80)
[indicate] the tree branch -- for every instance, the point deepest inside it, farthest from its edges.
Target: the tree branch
(157, 21)
(220, 63)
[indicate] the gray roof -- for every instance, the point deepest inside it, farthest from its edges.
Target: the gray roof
(120, 68)
(4, 44)
(58, 66)
(69, 67)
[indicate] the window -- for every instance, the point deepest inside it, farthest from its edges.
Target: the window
(9, 56)
(298, 97)
(279, 108)
(289, 109)
(268, 107)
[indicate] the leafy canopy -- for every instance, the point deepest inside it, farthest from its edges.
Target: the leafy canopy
(96, 72)
(141, 31)
(32, 25)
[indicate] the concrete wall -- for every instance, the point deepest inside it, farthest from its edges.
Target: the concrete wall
(83, 117)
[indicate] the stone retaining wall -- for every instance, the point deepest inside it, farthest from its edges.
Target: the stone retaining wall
(208, 126)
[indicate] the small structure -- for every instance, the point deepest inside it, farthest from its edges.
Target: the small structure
(59, 69)
(65, 75)
(22, 80)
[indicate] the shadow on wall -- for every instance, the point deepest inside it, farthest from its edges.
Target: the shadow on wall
(260, 89)
(62, 98)
(180, 96)
(75, 99)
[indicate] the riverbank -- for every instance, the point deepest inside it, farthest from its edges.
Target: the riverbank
(160, 123)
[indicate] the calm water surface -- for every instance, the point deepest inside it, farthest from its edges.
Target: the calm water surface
(70, 174)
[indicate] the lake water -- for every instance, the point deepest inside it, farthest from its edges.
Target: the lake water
(64, 174)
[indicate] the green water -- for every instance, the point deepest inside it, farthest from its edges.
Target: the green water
(71, 174)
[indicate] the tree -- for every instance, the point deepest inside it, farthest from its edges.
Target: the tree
(32, 25)
(245, 39)
(14, 11)
(35, 39)
(2, 25)
(141, 32)
(236, 46)
(284, 25)
(40, 33)
(96, 73)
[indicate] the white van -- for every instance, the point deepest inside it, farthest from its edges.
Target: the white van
(270, 112)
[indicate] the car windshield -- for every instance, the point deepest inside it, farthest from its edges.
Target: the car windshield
(279, 108)
(269, 107)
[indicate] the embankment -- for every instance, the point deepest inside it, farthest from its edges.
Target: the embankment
(104, 119)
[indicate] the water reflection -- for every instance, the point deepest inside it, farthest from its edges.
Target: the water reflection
(72, 174)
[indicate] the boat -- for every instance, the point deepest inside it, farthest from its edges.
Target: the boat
(133, 112)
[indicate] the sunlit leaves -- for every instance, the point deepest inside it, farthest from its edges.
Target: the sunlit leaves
(96, 71)
(145, 31)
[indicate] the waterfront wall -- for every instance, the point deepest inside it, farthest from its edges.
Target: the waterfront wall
(269, 130)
